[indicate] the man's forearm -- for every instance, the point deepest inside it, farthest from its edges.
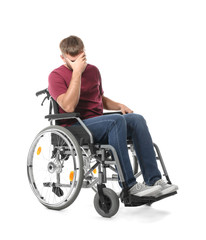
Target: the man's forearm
(109, 104)
(71, 97)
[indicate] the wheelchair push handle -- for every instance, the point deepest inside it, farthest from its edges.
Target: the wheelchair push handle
(45, 91)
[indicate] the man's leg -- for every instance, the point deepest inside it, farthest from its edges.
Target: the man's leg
(112, 130)
(138, 130)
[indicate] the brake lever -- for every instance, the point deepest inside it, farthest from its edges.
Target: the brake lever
(43, 100)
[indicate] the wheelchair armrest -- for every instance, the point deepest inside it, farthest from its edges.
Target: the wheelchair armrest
(62, 116)
(108, 113)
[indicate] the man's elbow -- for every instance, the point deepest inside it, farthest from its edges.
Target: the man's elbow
(69, 109)
(66, 107)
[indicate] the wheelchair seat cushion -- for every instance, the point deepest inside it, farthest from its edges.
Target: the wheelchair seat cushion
(80, 134)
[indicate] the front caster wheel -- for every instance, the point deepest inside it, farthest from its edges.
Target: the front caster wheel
(111, 200)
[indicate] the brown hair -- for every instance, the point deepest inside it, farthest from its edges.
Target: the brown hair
(72, 45)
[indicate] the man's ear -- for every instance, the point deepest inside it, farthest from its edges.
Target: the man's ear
(62, 57)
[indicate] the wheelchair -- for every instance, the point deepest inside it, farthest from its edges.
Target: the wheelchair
(63, 160)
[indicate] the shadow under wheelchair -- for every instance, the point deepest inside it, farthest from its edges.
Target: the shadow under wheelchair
(63, 160)
(145, 214)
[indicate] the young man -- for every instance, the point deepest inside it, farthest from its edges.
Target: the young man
(77, 87)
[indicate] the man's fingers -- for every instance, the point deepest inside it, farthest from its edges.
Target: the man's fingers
(123, 111)
(82, 55)
(126, 110)
(84, 58)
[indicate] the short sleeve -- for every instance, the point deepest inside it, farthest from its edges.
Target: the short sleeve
(100, 86)
(57, 85)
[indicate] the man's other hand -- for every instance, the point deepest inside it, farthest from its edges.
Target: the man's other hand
(124, 109)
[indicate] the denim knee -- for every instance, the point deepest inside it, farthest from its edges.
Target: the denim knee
(138, 117)
(117, 119)
(136, 120)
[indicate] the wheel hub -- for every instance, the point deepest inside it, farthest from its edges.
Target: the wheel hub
(52, 167)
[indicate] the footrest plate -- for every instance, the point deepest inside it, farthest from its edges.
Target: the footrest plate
(134, 201)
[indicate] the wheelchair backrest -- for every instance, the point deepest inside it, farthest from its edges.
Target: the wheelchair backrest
(54, 105)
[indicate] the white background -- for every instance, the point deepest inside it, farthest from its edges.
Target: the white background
(152, 58)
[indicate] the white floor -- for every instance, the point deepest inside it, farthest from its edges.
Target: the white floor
(179, 216)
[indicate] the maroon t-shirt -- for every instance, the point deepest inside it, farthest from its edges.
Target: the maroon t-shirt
(90, 101)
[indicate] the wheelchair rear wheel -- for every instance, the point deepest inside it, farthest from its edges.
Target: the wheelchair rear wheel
(55, 167)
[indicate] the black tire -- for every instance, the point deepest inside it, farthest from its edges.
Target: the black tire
(112, 202)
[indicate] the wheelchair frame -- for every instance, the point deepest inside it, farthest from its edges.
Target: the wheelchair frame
(106, 201)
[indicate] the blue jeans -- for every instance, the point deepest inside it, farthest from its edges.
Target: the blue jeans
(114, 130)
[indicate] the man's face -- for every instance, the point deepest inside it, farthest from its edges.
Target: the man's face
(71, 58)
